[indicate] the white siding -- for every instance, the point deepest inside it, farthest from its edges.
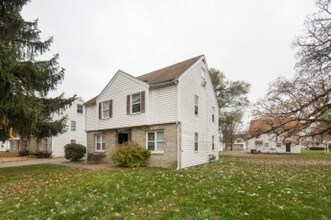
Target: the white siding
(58, 142)
(163, 105)
(4, 146)
(272, 145)
(120, 86)
(189, 86)
(91, 112)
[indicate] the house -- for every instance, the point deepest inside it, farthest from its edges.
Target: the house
(271, 142)
(172, 112)
(75, 133)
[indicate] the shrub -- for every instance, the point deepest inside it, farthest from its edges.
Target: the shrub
(23, 153)
(130, 155)
(74, 152)
(316, 148)
(43, 153)
(96, 157)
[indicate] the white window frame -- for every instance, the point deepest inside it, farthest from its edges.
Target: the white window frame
(266, 145)
(101, 142)
(80, 109)
(136, 103)
(213, 142)
(104, 108)
(73, 125)
(196, 142)
(278, 145)
(196, 105)
(155, 141)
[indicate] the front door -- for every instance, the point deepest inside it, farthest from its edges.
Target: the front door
(288, 147)
(123, 138)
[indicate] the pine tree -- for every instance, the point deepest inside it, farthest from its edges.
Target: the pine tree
(25, 80)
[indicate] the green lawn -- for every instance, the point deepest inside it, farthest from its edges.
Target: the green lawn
(244, 188)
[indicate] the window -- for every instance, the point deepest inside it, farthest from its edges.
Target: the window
(79, 108)
(266, 144)
(135, 103)
(213, 143)
(278, 144)
(100, 144)
(73, 141)
(155, 141)
(196, 105)
(213, 114)
(105, 109)
(196, 141)
(73, 126)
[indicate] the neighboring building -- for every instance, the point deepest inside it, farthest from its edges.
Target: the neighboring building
(173, 112)
(269, 142)
(4, 146)
(75, 133)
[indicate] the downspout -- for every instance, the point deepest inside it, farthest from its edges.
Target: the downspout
(178, 127)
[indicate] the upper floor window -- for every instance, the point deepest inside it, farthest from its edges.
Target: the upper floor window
(196, 105)
(79, 108)
(213, 114)
(73, 125)
(196, 141)
(136, 103)
(155, 141)
(105, 109)
(100, 144)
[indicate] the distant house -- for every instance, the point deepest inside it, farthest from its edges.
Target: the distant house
(270, 142)
(75, 133)
(172, 112)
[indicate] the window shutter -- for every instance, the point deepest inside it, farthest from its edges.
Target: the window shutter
(110, 108)
(128, 105)
(142, 99)
(100, 110)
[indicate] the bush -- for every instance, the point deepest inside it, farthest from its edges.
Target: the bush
(96, 157)
(23, 153)
(130, 155)
(316, 148)
(43, 153)
(74, 152)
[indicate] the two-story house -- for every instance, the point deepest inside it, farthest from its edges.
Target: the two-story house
(173, 112)
(75, 133)
(269, 142)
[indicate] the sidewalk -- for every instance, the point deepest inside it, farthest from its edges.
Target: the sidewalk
(33, 161)
(58, 161)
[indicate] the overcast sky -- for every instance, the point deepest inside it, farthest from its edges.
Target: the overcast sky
(247, 39)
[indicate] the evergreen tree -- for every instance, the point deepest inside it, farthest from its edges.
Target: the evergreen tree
(26, 80)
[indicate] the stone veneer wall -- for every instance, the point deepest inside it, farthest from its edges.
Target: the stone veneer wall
(138, 134)
(110, 141)
(31, 144)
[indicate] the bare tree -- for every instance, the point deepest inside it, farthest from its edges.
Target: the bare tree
(305, 99)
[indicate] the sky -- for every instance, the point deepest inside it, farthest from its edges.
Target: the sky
(248, 40)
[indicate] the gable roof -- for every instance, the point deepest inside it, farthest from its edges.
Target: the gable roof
(277, 125)
(164, 75)
(168, 73)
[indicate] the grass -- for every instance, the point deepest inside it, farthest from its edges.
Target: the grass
(233, 188)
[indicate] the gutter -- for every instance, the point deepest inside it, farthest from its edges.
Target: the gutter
(164, 84)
